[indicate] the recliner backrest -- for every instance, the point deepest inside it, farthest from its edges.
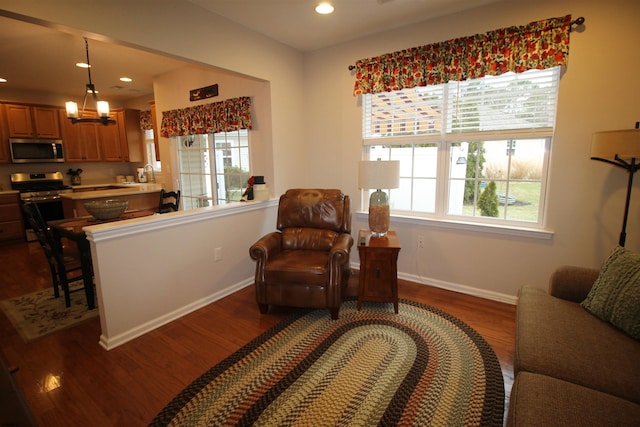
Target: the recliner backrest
(315, 239)
(314, 208)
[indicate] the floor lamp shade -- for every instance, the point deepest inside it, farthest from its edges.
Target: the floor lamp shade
(620, 148)
(379, 174)
(616, 145)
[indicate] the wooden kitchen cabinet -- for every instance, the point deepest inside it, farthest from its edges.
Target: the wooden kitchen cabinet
(110, 140)
(155, 130)
(122, 142)
(378, 278)
(26, 121)
(95, 142)
(80, 140)
(11, 224)
(132, 135)
(5, 155)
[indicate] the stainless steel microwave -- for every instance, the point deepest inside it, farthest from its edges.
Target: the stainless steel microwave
(36, 150)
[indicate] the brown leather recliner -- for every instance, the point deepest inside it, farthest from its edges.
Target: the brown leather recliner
(306, 262)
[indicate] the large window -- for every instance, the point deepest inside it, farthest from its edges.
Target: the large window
(214, 168)
(475, 150)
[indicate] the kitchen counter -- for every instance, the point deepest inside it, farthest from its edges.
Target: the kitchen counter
(139, 196)
(122, 190)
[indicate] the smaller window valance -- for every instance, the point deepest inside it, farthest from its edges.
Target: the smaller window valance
(538, 45)
(224, 116)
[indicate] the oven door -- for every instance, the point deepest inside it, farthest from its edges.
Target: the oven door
(51, 210)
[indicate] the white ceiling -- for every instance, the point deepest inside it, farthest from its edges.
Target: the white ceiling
(42, 59)
(295, 22)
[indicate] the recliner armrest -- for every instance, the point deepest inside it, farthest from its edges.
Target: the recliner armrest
(268, 245)
(572, 283)
(340, 251)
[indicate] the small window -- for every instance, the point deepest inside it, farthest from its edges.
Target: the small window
(214, 168)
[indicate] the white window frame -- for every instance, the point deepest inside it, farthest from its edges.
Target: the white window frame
(437, 129)
(211, 180)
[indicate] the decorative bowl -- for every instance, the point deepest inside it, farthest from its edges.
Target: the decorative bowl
(106, 209)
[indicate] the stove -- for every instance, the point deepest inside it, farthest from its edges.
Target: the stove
(36, 187)
(44, 189)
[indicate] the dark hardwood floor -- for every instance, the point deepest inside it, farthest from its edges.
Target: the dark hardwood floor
(67, 379)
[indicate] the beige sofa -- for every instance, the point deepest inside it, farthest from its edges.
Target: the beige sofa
(571, 368)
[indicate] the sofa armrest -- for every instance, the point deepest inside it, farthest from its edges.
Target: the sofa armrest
(572, 283)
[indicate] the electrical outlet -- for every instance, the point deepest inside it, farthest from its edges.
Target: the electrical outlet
(217, 254)
(421, 241)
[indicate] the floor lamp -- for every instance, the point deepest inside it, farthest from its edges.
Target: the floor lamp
(620, 148)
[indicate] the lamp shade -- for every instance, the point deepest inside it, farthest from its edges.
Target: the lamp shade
(379, 174)
(607, 145)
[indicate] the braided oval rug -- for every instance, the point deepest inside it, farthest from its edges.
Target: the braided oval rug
(370, 367)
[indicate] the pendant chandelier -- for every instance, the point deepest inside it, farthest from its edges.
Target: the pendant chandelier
(102, 107)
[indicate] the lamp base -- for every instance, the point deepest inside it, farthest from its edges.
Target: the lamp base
(379, 213)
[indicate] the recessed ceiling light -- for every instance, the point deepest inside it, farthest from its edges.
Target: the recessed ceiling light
(126, 79)
(324, 8)
(82, 65)
(3, 80)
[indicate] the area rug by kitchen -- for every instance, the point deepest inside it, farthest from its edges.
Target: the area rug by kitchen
(38, 314)
(370, 367)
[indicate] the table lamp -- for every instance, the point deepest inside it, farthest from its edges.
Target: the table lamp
(620, 148)
(379, 174)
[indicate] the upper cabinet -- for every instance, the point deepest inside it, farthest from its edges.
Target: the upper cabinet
(26, 121)
(80, 141)
(155, 130)
(95, 142)
(83, 142)
(4, 138)
(122, 142)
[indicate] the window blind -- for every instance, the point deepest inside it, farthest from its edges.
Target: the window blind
(522, 101)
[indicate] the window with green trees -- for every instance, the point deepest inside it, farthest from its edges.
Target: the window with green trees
(455, 140)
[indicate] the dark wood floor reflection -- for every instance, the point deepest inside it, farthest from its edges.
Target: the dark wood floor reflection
(68, 379)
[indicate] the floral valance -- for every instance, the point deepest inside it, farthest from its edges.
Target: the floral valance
(146, 122)
(539, 45)
(224, 116)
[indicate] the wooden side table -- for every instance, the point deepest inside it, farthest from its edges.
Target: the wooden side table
(378, 268)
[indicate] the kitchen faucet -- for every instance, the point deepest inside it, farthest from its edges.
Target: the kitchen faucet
(152, 177)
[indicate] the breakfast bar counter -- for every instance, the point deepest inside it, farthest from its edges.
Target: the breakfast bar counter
(139, 196)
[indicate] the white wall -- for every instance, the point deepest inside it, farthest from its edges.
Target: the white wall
(316, 117)
(586, 198)
(153, 270)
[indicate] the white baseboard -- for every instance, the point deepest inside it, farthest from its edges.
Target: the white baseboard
(463, 289)
(455, 287)
(110, 343)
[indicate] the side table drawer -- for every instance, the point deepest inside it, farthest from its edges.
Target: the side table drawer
(378, 271)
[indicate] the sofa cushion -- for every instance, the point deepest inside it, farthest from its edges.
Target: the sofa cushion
(539, 400)
(561, 339)
(615, 296)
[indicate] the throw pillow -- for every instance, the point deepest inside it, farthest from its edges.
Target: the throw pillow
(615, 295)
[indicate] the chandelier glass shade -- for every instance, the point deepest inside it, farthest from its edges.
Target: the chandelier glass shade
(102, 107)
